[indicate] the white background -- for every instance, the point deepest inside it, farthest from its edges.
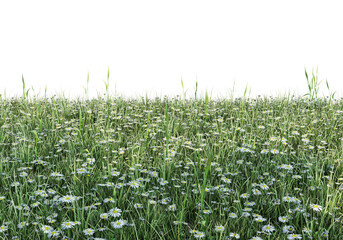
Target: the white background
(149, 45)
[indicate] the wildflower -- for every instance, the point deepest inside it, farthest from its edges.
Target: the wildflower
(3, 228)
(55, 174)
(264, 186)
(106, 200)
(268, 228)
(260, 219)
(67, 199)
(119, 224)
(287, 229)
(264, 151)
(246, 214)
(250, 204)
(116, 212)
(165, 201)
(88, 231)
(220, 228)
(115, 173)
(207, 211)
(35, 204)
(172, 207)
(256, 238)
(287, 199)
(134, 184)
(316, 207)
(53, 234)
(234, 235)
(22, 224)
(138, 205)
(226, 180)
(274, 151)
(233, 215)
(82, 171)
(153, 202)
(67, 225)
(283, 219)
(47, 229)
(164, 182)
(325, 234)
(256, 191)
(104, 216)
(199, 235)
(245, 195)
(294, 236)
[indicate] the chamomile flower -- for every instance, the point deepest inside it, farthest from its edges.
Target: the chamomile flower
(46, 229)
(219, 228)
(115, 212)
(172, 208)
(104, 216)
(134, 184)
(106, 200)
(207, 211)
(294, 236)
(260, 219)
(67, 225)
(199, 235)
(119, 224)
(22, 224)
(316, 207)
(264, 186)
(53, 233)
(283, 219)
(287, 229)
(3, 228)
(325, 234)
(67, 199)
(88, 232)
(226, 180)
(138, 205)
(268, 228)
(256, 238)
(234, 235)
(244, 195)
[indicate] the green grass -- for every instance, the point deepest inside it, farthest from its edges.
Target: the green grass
(171, 168)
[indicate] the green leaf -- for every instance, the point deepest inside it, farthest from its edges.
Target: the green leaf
(22, 79)
(306, 74)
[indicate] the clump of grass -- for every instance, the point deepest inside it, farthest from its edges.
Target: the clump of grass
(169, 169)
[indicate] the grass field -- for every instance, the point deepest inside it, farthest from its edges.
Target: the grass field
(171, 168)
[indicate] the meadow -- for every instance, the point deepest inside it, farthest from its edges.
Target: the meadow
(115, 168)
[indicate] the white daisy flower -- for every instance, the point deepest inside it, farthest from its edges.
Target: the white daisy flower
(88, 231)
(67, 225)
(47, 229)
(316, 207)
(119, 224)
(219, 228)
(115, 212)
